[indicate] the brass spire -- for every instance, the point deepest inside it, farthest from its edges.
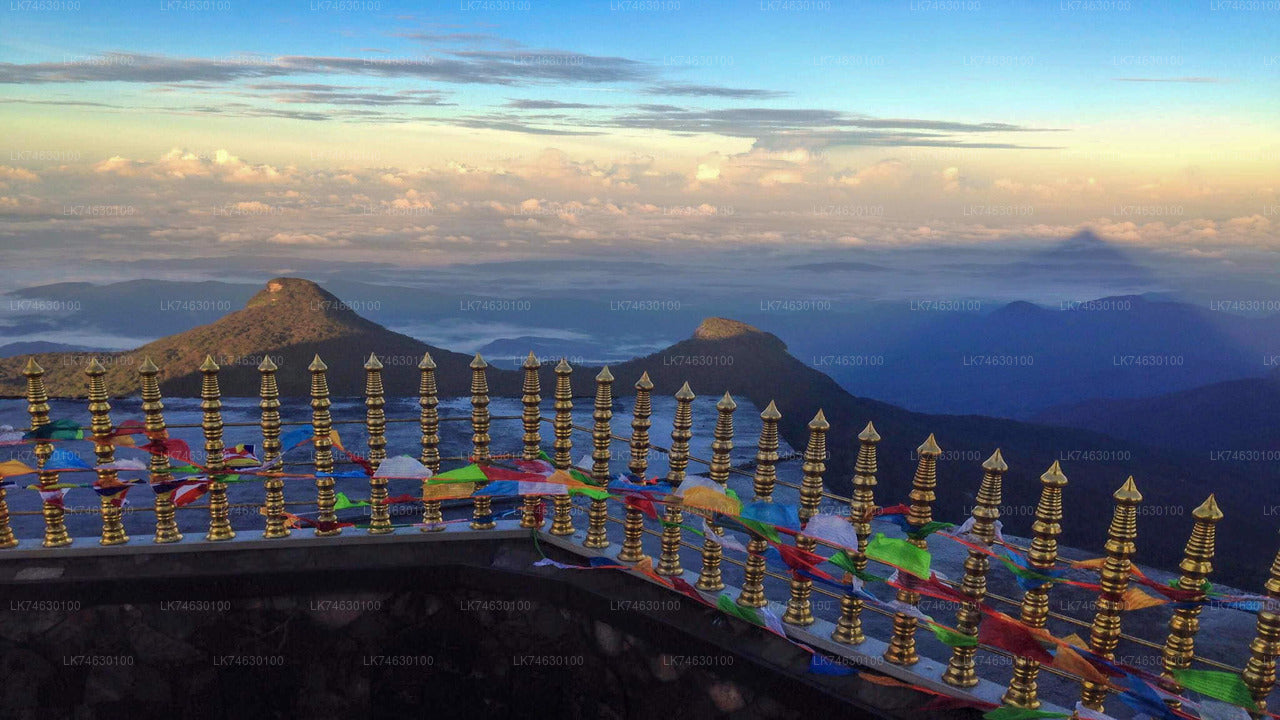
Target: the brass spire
(862, 507)
(815, 458)
(55, 528)
(1104, 633)
(211, 404)
(531, 419)
(1043, 555)
(375, 420)
(799, 606)
(709, 578)
(429, 426)
(766, 476)
(482, 506)
(601, 439)
(153, 410)
(633, 523)
(105, 451)
(562, 517)
(272, 483)
(902, 646)
(960, 669)
(1260, 671)
(1197, 563)
(322, 425)
(677, 461)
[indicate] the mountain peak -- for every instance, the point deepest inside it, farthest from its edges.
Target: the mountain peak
(718, 328)
(292, 291)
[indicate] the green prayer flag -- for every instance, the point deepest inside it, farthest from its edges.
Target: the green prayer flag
(842, 561)
(900, 554)
(766, 531)
(542, 455)
(595, 493)
(928, 529)
(953, 638)
(1007, 712)
(582, 477)
(469, 473)
(1224, 686)
(342, 502)
(727, 605)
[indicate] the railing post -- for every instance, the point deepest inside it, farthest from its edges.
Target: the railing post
(375, 420)
(986, 511)
(273, 485)
(1104, 633)
(677, 462)
(1197, 563)
(862, 507)
(766, 475)
(562, 519)
(105, 451)
(532, 421)
(902, 646)
(211, 404)
(1260, 671)
(799, 607)
(159, 468)
(601, 440)
(633, 525)
(709, 579)
(482, 506)
(429, 425)
(322, 426)
(1043, 555)
(55, 527)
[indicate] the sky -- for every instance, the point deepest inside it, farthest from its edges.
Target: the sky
(476, 130)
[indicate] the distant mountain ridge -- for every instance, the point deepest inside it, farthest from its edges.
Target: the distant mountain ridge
(1226, 420)
(293, 319)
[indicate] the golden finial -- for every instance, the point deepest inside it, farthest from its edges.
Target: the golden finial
(272, 483)
(862, 507)
(562, 518)
(1043, 555)
(601, 438)
(1104, 633)
(633, 523)
(709, 578)
(531, 419)
(1197, 563)
(211, 404)
(799, 606)
(55, 528)
(153, 410)
(1260, 671)
(815, 458)
(105, 451)
(677, 461)
(429, 425)
(482, 506)
(375, 420)
(902, 645)
(986, 512)
(766, 476)
(322, 426)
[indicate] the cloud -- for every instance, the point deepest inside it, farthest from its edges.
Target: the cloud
(717, 91)
(17, 174)
(547, 105)
(506, 67)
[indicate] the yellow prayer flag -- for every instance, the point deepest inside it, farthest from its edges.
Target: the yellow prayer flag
(447, 490)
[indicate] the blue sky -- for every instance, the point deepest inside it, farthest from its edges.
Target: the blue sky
(528, 127)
